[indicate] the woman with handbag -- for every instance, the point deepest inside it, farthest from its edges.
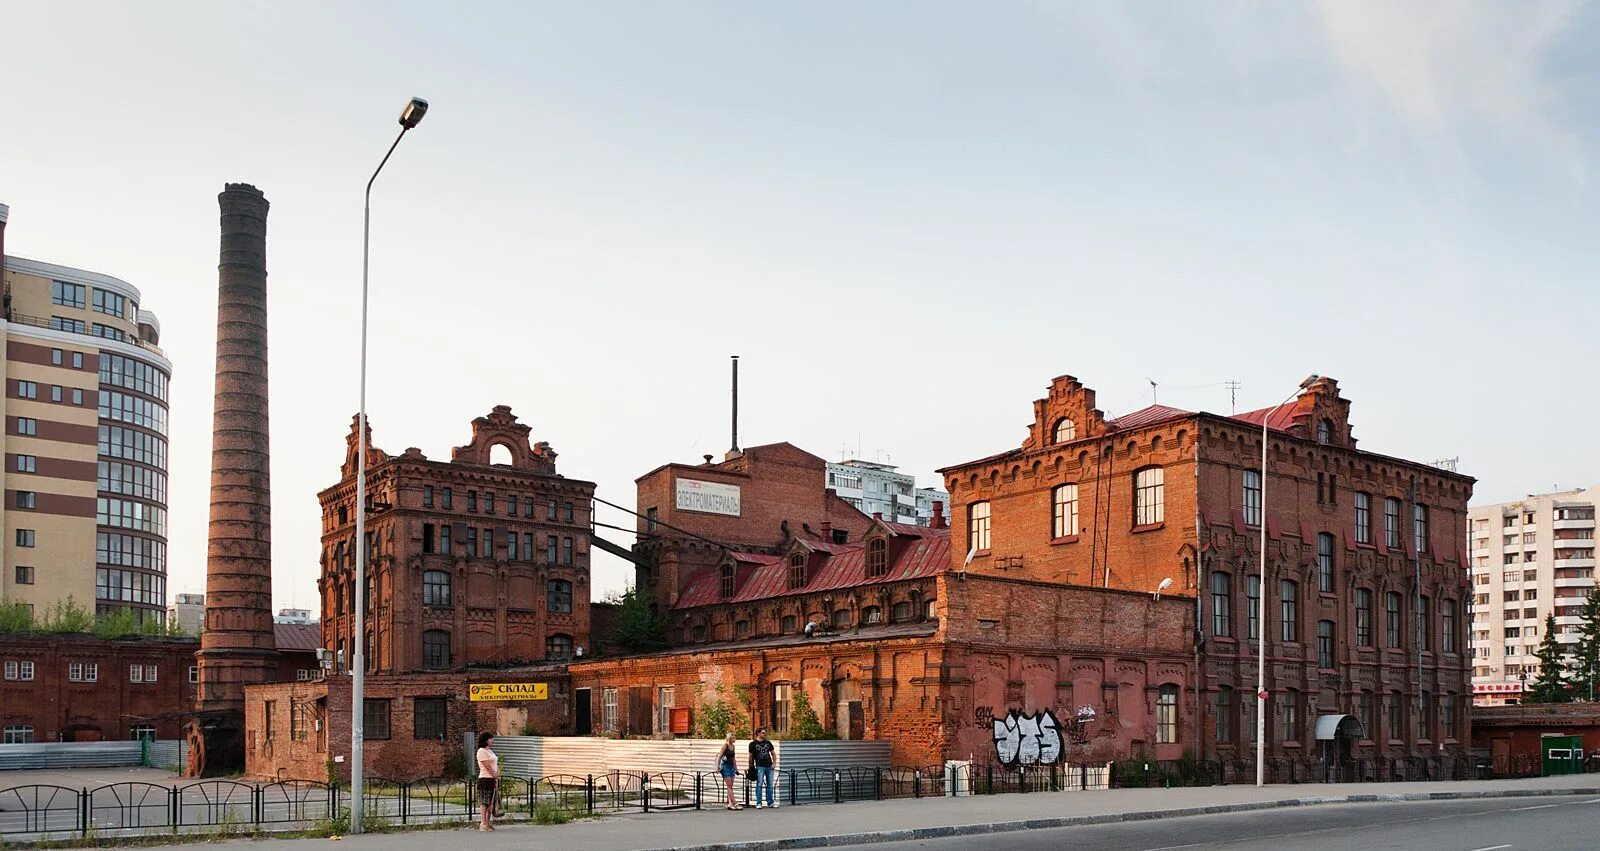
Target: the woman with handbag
(488, 780)
(726, 766)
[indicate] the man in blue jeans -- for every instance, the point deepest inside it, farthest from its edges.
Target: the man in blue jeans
(761, 763)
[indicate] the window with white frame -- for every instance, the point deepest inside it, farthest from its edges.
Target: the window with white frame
(18, 734)
(1148, 496)
(1064, 522)
(83, 672)
(666, 701)
(608, 710)
(978, 526)
(1363, 518)
(20, 670)
(1065, 430)
(1252, 497)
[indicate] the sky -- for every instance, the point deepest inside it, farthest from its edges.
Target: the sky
(905, 217)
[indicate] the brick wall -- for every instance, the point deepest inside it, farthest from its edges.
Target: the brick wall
(111, 706)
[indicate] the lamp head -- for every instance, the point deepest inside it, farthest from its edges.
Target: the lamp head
(411, 116)
(1311, 379)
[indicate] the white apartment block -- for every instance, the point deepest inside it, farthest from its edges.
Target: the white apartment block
(1529, 559)
(877, 489)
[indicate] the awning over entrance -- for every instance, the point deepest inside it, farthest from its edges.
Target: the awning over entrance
(1331, 726)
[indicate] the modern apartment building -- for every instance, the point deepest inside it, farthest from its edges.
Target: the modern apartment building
(85, 476)
(876, 488)
(1530, 558)
(188, 611)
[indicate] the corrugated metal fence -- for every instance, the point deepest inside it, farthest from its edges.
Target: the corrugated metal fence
(171, 755)
(58, 755)
(540, 756)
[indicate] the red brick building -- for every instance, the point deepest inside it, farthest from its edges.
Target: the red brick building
(77, 687)
(481, 560)
(1168, 494)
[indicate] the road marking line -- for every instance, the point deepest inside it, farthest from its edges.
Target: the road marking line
(1540, 807)
(1491, 848)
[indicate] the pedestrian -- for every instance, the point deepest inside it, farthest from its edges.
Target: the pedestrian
(488, 780)
(761, 752)
(727, 766)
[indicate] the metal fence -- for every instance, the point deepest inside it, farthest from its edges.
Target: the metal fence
(228, 807)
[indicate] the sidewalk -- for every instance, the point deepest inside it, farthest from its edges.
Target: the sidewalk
(799, 827)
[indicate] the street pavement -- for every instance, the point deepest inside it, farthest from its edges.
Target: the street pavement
(877, 821)
(1497, 824)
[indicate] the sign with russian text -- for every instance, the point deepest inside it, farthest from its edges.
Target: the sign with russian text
(708, 497)
(508, 691)
(1497, 688)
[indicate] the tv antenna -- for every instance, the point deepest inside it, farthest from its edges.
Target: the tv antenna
(1233, 395)
(1152, 389)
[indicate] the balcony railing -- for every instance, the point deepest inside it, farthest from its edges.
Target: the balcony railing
(40, 322)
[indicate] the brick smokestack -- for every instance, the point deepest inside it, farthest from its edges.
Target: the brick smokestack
(236, 646)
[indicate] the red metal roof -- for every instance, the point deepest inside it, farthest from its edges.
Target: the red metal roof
(297, 637)
(1281, 419)
(832, 567)
(1148, 416)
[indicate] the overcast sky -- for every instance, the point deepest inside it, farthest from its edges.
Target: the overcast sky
(906, 217)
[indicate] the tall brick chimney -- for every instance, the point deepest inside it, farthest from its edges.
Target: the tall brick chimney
(236, 645)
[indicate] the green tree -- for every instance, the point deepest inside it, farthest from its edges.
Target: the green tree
(15, 617)
(1551, 685)
(804, 725)
(66, 616)
(723, 714)
(118, 623)
(1586, 661)
(634, 627)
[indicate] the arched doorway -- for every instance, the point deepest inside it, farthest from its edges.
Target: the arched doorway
(1336, 736)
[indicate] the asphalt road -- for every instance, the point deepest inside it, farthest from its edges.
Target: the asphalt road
(1500, 824)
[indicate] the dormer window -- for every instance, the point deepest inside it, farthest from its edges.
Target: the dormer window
(1325, 431)
(1065, 430)
(797, 570)
(877, 557)
(726, 586)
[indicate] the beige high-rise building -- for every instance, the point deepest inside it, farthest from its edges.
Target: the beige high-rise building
(1530, 558)
(85, 404)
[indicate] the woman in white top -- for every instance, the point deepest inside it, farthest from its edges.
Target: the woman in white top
(488, 779)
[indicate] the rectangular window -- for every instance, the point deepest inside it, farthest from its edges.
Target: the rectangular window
(511, 505)
(83, 672)
(427, 717)
(472, 500)
(23, 574)
(375, 719)
(1364, 712)
(427, 496)
(1148, 496)
(665, 702)
(27, 426)
(1419, 526)
(25, 537)
(27, 499)
(1252, 497)
(68, 295)
(77, 363)
(1064, 522)
(527, 546)
(1167, 715)
(1363, 518)
(1289, 610)
(551, 553)
(488, 502)
(608, 710)
(27, 464)
(781, 699)
(194, 674)
(1325, 631)
(427, 538)
(978, 527)
(1222, 711)
(1325, 563)
(1391, 523)
(18, 734)
(55, 357)
(1397, 721)
(1391, 606)
(550, 512)
(111, 304)
(1221, 604)
(566, 551)
(1447, 713)
(444, 539)
(1363, 617)
(472, 541)
(487, 550)
(1252, 586)
(1291, 716)
(566, 512)
(449, 500)
(109, 332)
(27, 390)
(527, 507)
(55, 392)
(1447, 629)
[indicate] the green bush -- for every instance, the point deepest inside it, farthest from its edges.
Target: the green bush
(721, 715)
(804, 725)
(545, 812)
(455, 765)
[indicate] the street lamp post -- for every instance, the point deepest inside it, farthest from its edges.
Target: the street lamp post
(1261, 640)
(410, 117)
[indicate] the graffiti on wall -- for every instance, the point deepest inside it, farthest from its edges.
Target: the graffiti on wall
(1078, 727)
(1033, 739)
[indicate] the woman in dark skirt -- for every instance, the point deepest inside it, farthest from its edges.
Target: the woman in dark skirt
(488, 779)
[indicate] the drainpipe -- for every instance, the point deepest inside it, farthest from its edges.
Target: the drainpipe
(1199, 615)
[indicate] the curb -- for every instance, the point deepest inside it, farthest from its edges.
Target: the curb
(947, 831)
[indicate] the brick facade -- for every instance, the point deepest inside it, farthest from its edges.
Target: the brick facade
(1197, 533)
(478, 561)
(55, 707)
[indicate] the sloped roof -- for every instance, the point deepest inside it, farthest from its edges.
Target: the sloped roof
(1148, 416)
(297, 637)
(833, 567)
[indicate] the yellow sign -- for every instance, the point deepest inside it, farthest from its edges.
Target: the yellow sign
(508, 691)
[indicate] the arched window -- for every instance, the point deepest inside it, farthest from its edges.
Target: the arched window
(978, 526)
(790, 624)
(841, 618)
(1167, 715)
(1064, 514)
(725, 586)
(1325, 563)
(741, 629)
(435, 588)
(558, 596)
(1221, 604)
(558, 647)
(872, 615)
(900, 612)
(436, 650)
(1148, 496)
(877, 557)
(797, 571)
(1065, 430)
(1325, 431)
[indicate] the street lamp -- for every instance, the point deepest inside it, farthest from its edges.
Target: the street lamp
(410, 117)
(1261, 644)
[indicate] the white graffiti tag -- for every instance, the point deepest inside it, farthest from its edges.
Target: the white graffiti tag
(1027, 739)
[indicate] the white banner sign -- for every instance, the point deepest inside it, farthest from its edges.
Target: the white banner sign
(709, 497)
